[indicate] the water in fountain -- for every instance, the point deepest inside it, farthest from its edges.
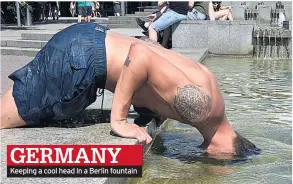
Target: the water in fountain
(272, 17)
(275, 17)
(269, 45)
(275, 56)
(282, 46)
(263, 43)
(272, 42)
(257, 44)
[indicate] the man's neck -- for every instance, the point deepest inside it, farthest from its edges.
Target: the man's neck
(222, 140)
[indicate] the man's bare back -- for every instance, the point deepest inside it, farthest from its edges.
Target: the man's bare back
(196, 73)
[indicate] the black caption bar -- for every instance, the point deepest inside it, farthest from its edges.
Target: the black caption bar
(79, 171)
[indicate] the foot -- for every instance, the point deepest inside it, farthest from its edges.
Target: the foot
(141, 24)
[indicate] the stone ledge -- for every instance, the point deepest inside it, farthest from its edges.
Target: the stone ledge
(197, 55)
(272, 32)
(218, 22)
(93, 134)
(98, 133)
(220, 37)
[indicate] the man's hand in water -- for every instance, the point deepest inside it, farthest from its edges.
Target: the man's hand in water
(124, 129)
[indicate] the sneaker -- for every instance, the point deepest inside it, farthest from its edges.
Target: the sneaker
(141, 24)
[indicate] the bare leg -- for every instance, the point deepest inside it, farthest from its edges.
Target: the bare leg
(219, 15)
(224, 17)
(230, 16)
(9, 113)
(222, 14)
(153, 35)
(73, 12)
(89, 18)
(79, 19)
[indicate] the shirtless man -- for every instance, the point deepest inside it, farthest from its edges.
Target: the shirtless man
(64, 77)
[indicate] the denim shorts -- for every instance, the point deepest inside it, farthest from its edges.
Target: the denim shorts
(167, 19)
(65, 75)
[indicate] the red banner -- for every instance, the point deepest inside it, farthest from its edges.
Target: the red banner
(74, 155)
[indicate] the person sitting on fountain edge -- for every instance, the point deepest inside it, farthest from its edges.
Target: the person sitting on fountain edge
(63, 79)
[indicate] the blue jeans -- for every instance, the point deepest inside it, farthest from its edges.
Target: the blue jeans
(65, 75)
(167, 19)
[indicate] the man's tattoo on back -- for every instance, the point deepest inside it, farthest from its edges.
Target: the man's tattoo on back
(127, 62)
(192, 104)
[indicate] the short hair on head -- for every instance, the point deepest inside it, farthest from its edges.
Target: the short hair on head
(241, 145)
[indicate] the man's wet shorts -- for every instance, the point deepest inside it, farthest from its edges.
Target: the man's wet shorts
(65, 75)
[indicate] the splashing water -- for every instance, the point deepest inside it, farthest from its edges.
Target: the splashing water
(280, 37)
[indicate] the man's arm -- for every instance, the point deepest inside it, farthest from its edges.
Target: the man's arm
(134, 74)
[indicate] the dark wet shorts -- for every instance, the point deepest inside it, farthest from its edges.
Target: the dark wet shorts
(65, 75)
